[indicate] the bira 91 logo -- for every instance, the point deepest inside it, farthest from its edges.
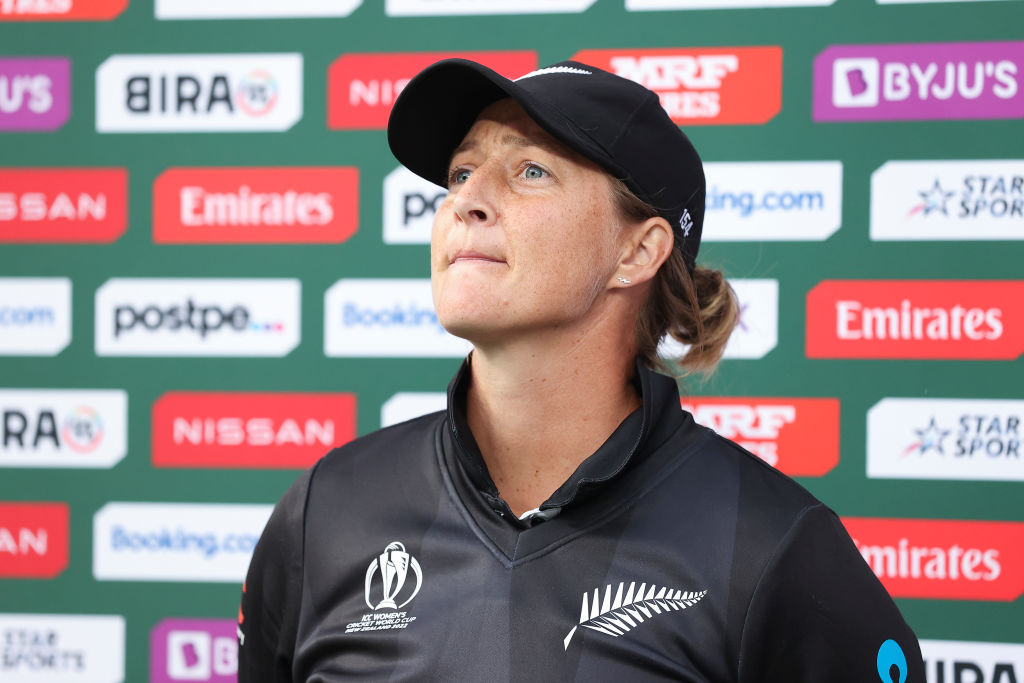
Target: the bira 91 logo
(798, 436)
(948, 200)
(35, 94)
(713, 85)
(197, 317)
(69, 648)
(203, 650)
(63, 427)
(959, 661)
(34, 539)
(940, 319)
(236, 430)
(946, 438)
(941, 559)
(361, 88)
(919, 82)
(286, 205)
(199, 93)
(61, 10)
(39, 205)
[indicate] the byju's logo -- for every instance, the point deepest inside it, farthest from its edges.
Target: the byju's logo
(410, 203)
(757, 331)
(34, 539)
(197, 317)
(62, 427)
(961, 661)
(720, 85)
(422, 8)
(203, 650)
(948, 200)
(919, 81)
(45, 648)
(35, 316)
(388, 587)
(63, 205)
(199, 93)
(61, 10)
(944, 438)
(381, 318)
(35, 94)
(248, 9)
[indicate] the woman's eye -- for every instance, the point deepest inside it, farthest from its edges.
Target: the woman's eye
(534, 172)
(458, 175)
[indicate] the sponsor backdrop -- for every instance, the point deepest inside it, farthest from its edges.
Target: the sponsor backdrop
(212, 271)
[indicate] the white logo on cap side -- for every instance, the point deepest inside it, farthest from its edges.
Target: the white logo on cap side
(555, 70)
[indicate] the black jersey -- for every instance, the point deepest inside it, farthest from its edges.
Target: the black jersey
(671, 554)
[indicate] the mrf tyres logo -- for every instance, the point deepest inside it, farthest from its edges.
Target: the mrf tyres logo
(40, 205)
(798, 436)
(283, 205)
(719, 85)
(757, 331)
(35, 316)
(199, 93)
(941, 319)
(946, 438)
(63, 427)
(35, 94)
(942, 559)
(45, 648)
(193, 650)
(948, 200)
(393, 580)
(919, 82)
(34, 540)
(197, 317)
(959, 661)
(361, 88)
(61, 10)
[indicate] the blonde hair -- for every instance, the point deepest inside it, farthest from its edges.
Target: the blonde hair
(698, 309)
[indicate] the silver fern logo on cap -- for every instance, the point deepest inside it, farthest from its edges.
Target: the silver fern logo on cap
(622, 613)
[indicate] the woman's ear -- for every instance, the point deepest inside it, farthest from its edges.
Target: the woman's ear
(645, 249)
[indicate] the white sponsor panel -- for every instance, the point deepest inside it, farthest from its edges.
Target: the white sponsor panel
(645, 5)
(770, 201)
(63, 427)
(253, 9)
(946, 438)
(61, 648)
(407, 405)
(35, 315)
(424, 8)
(757, 332)
(197, 317)
(948, 200)
(962, 661)
(175, 541)
(410, 203)
(199, 93)
(386, 318)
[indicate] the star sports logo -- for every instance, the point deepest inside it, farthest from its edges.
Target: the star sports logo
(929, 438)
(932, 200)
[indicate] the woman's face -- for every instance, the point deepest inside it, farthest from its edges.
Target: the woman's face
(528, 239)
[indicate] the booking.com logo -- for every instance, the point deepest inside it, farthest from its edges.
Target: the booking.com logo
(747, 203)
(410, 315)
(180, 540)
(26, 316)
(201, 319)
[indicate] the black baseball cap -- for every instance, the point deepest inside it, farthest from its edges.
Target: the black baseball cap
(613, 121)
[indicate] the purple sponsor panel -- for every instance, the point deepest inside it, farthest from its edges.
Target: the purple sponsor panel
(35, 93)
(923, 81)
(204, 650)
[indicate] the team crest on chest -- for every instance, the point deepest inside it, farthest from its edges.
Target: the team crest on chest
(393, 579)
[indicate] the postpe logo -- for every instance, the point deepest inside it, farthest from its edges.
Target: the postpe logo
(35, 94)
(756, 332)
(39, 205)
(285, 205)
(61, 10)
(942, 319)
(199, 93)
(193, 650)
(410, 203)
(71, 648)
(919, 81)
(35, 316)
(34, 539)
(719, 85)
(361, 88)
(197, 317)
(798, 436)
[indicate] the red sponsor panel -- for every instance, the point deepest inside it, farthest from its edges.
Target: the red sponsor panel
(798, 436)
(939, 319)
(942, 559)
(702, 86)
(39, 205)
(249, 430)
(362, 87)
(284, 205)
(34, 539)
(61, 10)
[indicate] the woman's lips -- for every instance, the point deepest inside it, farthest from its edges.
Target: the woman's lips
(464, 255)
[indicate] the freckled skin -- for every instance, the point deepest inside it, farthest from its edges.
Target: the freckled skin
(537, 225)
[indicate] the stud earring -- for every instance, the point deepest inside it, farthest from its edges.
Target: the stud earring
(625, 281)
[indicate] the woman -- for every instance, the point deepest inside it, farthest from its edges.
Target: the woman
(564, 519)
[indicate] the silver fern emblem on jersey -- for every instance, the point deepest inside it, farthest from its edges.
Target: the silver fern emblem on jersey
(622, 613)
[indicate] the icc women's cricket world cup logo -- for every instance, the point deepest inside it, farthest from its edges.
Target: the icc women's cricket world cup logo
(394, 564)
